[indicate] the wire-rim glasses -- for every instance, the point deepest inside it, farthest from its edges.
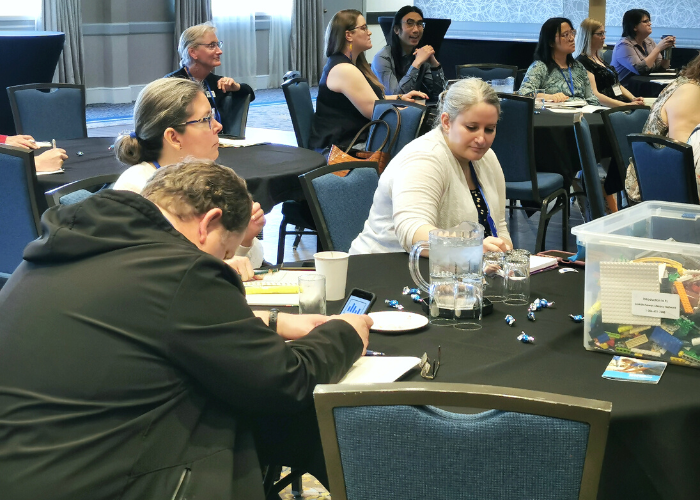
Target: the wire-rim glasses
(207, 119)
(428, 369)
(212, 45)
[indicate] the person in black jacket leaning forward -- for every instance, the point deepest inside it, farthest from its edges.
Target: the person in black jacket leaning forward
(131, 366)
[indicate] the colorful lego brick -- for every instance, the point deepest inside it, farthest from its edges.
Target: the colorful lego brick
(680, 361)
(673, 277)
(646, 352)
(613, 335)
(594, 308)
(690, 356)
(624, 328)
(622, 350)
(684, 326)
(666, 340)
(680, 290)
(638, 329)
(641, 339)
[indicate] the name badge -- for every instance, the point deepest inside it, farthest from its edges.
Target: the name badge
(617, 90)
(211, 94)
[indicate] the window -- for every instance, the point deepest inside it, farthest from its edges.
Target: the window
(26, 9)
(261, 7)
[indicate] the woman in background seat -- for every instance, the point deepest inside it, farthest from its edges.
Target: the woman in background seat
(605, 84)
(174, 120)
(399, 64)
(555, 70)
(348, 88)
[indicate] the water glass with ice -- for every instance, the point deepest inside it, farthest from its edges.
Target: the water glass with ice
(312, 294)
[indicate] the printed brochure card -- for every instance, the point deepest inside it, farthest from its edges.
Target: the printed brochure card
(634, 370)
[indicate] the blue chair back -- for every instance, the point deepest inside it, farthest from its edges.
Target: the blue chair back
(607, 55)
(665, 169)
(514, 142)
(301, 109)
(619, 123)
(390, 441)
(49, 110)
(591, 180)
(19, 213)
(340, 205)
(412, 116)
(234, 114)
(486, 71)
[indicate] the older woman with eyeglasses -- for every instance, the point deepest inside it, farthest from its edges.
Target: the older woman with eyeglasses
(636, 53)
(174, 120)
(200, 52)
(605, 84)
(348, 88)
(555, 71)
(400, 64)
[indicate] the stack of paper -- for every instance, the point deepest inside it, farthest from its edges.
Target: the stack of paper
(378, 369)
(237, 143)
(540, 263)
(277, 288)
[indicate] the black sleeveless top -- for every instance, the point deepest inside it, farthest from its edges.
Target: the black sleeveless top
(336, 120)
(605, 76)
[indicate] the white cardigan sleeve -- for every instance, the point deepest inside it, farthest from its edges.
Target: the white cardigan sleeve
(254, 253)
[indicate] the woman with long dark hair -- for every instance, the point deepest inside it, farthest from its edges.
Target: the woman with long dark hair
(402, 65)
(348, 88)
(555, 70)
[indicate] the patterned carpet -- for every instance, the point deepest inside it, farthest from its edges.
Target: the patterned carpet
(312, 489)
(269, 110)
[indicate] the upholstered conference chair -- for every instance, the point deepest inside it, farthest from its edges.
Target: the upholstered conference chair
(49, 110)
(21, 207)
(591, 179)
(382, 441)
(340, 205)
(412, 116)
(664, 167)
(514, 147)
(486, 71)
(234, 114)
(77, 191)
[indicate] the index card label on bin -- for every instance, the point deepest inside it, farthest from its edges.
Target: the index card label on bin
(656, 305)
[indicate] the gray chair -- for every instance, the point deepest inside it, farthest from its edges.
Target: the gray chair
(340, 205)
(234, 114)
(607, 55)
(412, 116)
(514, 147)
(665, 168)
(78, 191)
(591, 178)
(21, 207)
(486, 71)
(383, 441)
(49, 110)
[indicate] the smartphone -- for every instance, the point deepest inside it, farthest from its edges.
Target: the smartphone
(358, 302)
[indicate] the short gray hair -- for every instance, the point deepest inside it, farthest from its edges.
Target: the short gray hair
(189, 39)
(163, 103)
(464, 94)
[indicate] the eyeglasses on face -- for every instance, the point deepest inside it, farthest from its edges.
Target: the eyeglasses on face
(569, 34)
(207, 119)
(412, 22)
(645, 21)
(428, 369)
(363, 28)
(213, 45)
(599, 33)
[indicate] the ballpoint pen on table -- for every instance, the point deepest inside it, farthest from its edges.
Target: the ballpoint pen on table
(373, 353)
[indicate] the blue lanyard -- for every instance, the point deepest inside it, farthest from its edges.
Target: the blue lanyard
(570, 84)
(156, 164)
(210, 94)
(492, 226)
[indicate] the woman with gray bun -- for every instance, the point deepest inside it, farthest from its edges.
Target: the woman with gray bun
(174, 120)
(448, 176)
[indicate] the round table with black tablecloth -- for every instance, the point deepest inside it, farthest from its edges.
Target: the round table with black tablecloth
(270, 170)
(654, 433)
(647, 86)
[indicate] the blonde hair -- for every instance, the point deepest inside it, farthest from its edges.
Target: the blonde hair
(341, 22)
(462, 95)
(189, 39)
(162, 104)
(584, 37)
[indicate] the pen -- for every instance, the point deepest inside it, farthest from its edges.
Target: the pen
(258, 272)
(53, 143)
(373, 353)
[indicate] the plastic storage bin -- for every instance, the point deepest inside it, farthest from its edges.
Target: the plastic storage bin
(643, 282)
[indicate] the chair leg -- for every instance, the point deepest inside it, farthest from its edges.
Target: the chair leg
(565, 223)
(511, 204)
(281, 241)
(297, 238)
(297, 488)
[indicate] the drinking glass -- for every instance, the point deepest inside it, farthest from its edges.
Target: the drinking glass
(539, 101)
(312, 294)
(517, 274)
(494, 276)
(468, 298)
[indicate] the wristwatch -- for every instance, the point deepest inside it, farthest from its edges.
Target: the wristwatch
(273, 318)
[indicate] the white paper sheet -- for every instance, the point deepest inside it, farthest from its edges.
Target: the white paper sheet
(236, 143)
(378, 369)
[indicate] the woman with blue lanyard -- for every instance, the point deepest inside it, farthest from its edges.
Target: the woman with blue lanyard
(200, 53)
(445, 177)
(555, 71)
(174, 120)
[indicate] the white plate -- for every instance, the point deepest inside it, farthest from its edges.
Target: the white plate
(397, 321)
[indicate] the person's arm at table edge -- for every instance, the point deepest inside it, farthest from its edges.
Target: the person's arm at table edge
(212, 334)
(604, 100)
(534, 79)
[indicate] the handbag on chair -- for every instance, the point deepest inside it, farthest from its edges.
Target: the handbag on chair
(380, 156)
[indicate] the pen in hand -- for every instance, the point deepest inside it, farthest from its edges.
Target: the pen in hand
(53, 143)
(373, 353)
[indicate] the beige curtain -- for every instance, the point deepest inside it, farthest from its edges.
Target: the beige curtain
(188, 13)
(65, 16)
(306, 41)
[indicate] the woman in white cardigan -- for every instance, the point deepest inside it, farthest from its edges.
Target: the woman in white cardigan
(448, 176)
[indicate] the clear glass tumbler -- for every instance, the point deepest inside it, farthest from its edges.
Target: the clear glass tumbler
(494, 276)
(517, 277)
(539, 100)
(312, 294)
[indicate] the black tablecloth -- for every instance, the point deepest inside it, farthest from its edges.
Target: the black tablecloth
(643, 86)
(271, 170)
(555, 144)
(30, 57)
(654, 432)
